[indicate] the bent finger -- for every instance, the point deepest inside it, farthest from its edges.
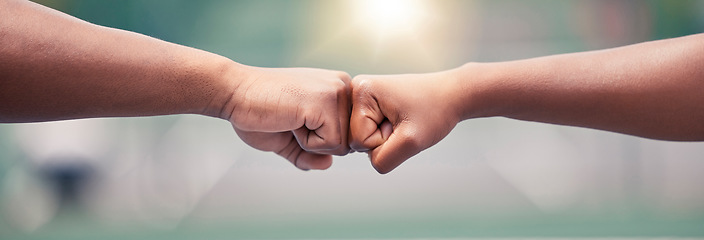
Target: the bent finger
(303, 159)
(365, 118)
(285, 145)
(327, 132)
(402, 144)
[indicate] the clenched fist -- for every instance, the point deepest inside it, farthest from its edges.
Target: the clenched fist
(396, 116)
(301, 114)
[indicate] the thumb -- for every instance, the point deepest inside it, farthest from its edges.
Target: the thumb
(402, 144)
(368, 126)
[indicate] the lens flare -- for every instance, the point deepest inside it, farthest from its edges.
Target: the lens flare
(385, 18)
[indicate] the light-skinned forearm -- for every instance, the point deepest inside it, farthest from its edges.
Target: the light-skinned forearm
(653, 89)
(54, 66)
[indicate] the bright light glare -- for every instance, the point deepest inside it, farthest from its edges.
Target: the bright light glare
(391, 17)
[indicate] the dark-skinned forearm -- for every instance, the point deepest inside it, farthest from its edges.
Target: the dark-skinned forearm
(653, 89)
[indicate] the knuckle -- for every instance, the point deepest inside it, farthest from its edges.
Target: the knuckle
(360, 80)
(343, 75)
(381, 167)
(363, 86)
(339, 86)
(343, 92)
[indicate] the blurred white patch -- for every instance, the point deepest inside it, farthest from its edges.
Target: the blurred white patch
(28, 203)
(672, 174)
(543, 166)
(87, 139)
(186, 163)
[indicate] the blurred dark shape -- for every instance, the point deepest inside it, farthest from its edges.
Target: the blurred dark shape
(69, 179)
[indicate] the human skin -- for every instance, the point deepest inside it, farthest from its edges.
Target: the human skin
(56, 67)
(652, 90)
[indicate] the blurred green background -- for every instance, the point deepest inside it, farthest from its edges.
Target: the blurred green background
(190, 177)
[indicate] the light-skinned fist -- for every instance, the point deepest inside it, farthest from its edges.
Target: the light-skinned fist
(301, 114)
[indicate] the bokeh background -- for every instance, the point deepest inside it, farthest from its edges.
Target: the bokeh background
(190, 177)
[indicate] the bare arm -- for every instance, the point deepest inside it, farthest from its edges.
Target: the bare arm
(54, 66)
(653, 89)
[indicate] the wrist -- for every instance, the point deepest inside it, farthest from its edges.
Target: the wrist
(225, 77)
(474, 90)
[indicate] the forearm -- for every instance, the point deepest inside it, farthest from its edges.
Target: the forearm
(653, 89)
(54, 66)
